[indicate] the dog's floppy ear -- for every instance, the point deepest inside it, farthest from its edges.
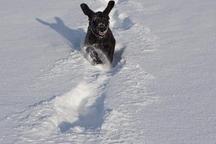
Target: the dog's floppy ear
(109, 7)
(86, 10)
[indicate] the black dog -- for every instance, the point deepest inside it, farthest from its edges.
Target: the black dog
(99, 35)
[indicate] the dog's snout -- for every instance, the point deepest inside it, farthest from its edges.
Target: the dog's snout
(102, 27)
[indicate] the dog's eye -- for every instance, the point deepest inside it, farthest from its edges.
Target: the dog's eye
(94, 22)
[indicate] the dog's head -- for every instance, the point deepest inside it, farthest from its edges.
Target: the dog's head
(98, 21)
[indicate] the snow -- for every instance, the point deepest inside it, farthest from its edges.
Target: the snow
(161, 88)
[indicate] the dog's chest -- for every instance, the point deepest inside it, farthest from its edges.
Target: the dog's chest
(100, 45)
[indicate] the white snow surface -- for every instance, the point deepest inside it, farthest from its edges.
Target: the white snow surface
(159, 90)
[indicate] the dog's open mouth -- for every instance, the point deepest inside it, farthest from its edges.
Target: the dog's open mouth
(102, 33)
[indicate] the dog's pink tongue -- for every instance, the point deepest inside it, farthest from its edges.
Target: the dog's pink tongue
(101, 33)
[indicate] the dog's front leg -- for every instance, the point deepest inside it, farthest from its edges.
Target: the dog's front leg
(94, 55)
(111, 51)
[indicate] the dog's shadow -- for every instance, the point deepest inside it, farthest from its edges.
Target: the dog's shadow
(73, 36)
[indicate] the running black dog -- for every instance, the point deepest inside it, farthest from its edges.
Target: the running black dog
(99, 35)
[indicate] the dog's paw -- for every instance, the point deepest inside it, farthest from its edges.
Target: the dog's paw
(94, 56)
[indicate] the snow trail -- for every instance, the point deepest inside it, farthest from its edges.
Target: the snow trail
(81, 111)
(81, 108)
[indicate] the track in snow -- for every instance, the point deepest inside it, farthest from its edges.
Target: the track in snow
(80, 112)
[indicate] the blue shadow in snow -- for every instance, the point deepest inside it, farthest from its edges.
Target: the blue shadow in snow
(73, 36)
(92, 119)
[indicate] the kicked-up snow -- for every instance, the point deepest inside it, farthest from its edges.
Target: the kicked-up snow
(159, 89)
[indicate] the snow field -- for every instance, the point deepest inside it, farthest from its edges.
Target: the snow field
(160, 89)
(83, 110)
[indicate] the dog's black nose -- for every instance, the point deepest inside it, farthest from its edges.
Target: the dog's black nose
(102, 27)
